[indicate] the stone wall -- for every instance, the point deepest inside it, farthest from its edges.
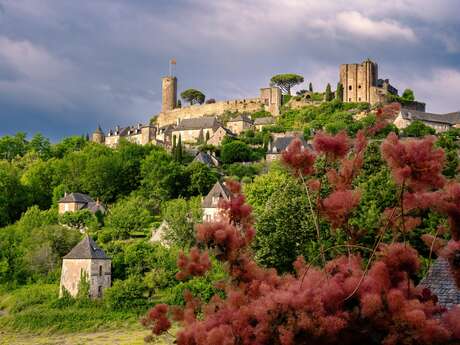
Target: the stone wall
(218, 108)
(98, 271)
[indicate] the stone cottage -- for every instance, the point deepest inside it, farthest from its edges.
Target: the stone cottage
(219, 135)
(240, 124)
(78, 201)
(86, 259)
(210, 203)
(440, 122)
(192, 130)
(278, 144)
(206, 158)
(261, 122)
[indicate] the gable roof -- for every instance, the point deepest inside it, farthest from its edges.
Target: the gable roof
(198, 123)
(449, 118)
(264, 120)
(441, 283)
(86, 249)
(280, 144)
(205, 158)
(219, 190)
(79, 198)
(243, 118)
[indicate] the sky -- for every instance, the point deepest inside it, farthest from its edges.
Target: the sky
(67, 66)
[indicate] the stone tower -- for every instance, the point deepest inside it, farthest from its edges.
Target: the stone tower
(168, 93)
(86, 259)
(358, 81)
(98, 136)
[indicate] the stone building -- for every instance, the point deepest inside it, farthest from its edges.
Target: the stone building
(279, 143)
(269, 99)
(261, 122)
(86, 260)
(219, 135)
(195, 129)
(361, 83)
(442, 284)
(240, 124)
(206, 158)
(210, 203)
(440, 122)
(138, 134)
(77, 201)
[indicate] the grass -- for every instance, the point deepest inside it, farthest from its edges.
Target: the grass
(36, 308)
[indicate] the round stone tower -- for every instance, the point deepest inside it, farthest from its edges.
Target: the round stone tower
(98, 136)
(169, 93)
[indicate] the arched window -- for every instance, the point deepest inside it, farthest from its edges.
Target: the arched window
(100, 270)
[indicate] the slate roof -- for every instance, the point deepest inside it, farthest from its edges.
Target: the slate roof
(95, 206)
(219, 190)
(99, 130)
(264, 120)
(86, 249)
(198, 123)
(441, 283)
(205, 158)
(79, 198)
(449, 118)
(243, 118)
(280, 144)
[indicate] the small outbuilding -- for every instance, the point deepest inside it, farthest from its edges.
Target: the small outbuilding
(86, 261)
(210, 203)
(73, 202)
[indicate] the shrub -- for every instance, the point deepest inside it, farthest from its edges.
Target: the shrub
(235, 151)
(126, 294)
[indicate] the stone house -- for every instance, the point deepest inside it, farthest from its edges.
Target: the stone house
(139, 134)
(440, 281)
(219, 135)
(261, 122)
(440, 122)
(206, 158)
(78, 201)
(192, 130)
(240, 124)
(87, 260)
(210, 203)
(278, 144)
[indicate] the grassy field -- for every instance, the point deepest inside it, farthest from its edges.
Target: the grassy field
(114, 337)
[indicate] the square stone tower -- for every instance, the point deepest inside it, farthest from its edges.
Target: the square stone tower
(86, 258)
(358, 80)
(168, 93)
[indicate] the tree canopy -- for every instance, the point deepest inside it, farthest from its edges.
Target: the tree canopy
(408, 95)
(193, 96)
(286, 81)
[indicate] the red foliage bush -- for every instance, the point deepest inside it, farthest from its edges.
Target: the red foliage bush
(344, 302)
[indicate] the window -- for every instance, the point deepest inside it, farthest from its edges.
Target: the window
(359, 86)
(66, 207)
(99, 291)
(100, 270)
(359, 99)
(349, 87)
(349, 99)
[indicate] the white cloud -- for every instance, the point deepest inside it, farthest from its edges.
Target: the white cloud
(358, 25)
(439, 90)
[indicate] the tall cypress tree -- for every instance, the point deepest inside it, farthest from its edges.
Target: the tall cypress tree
(310, 87)
(179, 149)
(339, 92)
(328, 94)
(174, 148)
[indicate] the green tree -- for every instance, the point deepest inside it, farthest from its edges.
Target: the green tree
(13, 196)
(418, 129)
(182, 216)
(284, 228)
(339, 92)
(68, 145)
(13, 146)
(39, 179)
(179, 149)
(193, 96)
(162, 177)
(408, 95)
(328, 96)
(235, 151)
(40, 145)
(286, 81)
(310, 87)
(201, 178)
(129, 215)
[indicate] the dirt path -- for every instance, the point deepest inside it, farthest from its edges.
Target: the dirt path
(115, 337)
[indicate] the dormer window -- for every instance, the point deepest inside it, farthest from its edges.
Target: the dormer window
(350, 87)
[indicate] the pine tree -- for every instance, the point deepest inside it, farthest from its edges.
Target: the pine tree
(339, 92)
(207, 136)
(328, 94)
(310, 87)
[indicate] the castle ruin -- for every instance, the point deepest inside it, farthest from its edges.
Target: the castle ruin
(361, 84)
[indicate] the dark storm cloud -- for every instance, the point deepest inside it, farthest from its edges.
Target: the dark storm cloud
(66, 66)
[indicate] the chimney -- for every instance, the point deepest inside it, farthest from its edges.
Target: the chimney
(178, 122)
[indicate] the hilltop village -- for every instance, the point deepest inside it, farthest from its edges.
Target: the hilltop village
(97, 230)
(213, 120)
